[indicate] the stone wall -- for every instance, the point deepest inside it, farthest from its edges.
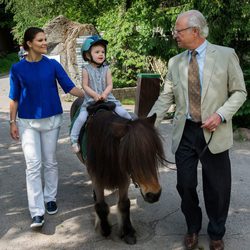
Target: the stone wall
(62, 35)
(124, 93)
(119, 93)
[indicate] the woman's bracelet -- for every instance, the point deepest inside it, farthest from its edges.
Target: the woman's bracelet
(12, 121)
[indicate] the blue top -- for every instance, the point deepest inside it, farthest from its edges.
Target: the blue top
(34, 86)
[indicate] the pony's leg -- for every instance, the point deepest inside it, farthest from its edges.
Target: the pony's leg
(127, 230)
(102, 210)
(94, 195)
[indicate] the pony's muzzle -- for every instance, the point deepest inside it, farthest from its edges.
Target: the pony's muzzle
(152, 197)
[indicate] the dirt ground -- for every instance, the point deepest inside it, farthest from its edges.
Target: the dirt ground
(159, 226)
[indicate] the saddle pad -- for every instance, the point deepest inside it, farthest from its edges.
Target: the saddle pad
(95, 106)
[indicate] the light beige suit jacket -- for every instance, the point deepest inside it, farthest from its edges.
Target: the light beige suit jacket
(223, 91)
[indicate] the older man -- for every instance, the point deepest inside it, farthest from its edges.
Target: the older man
(206, 84)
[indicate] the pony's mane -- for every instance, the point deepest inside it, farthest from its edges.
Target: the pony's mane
(141, 151)
(103, 150)
(118, 148)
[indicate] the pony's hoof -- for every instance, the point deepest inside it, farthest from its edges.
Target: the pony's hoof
(130, 239)
(106, 233)
(105, 229)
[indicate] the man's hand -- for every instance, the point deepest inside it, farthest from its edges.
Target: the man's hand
(212, 122)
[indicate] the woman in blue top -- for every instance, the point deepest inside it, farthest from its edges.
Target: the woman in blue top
(35, 100)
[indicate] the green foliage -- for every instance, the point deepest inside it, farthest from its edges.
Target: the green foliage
(135, 34)
(6, 20)
(119, 31)
(140, 30)
(241, 119)
(38, 12)
(229, 23)
(128, 101)
(28, 14)
(6, 62)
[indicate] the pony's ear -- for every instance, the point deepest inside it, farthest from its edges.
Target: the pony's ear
(119, 129)
(151, 119)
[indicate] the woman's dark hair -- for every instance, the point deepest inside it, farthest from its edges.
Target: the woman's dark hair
(29, 35)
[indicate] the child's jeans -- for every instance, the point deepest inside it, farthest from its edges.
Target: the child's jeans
(75, 131)
(122, 112)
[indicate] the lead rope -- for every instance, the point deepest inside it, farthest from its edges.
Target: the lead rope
(200, 155)
(174, 169)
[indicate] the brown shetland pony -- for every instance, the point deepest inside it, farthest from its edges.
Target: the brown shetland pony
(119, 150)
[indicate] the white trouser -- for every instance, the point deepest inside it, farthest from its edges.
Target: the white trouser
(39, 147)
(82, 117)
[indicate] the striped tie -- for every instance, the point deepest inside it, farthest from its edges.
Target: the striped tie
(194, 89)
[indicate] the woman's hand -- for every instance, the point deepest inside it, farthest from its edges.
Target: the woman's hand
(14, 132)
(77, 92)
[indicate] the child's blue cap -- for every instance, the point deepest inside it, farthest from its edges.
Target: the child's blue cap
(90, 41)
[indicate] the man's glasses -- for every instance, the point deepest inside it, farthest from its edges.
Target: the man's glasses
(176, 32)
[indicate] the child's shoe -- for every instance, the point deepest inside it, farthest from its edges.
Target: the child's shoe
(75, 147)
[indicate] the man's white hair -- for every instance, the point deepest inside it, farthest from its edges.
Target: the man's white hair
(197, 20)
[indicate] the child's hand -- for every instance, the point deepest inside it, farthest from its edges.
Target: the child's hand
(97, 97)
(104, 96)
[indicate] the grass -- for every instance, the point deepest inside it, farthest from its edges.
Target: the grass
(6, 62)
(128, 102)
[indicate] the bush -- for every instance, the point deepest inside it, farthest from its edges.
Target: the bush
(7, 61)
(241, 118)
